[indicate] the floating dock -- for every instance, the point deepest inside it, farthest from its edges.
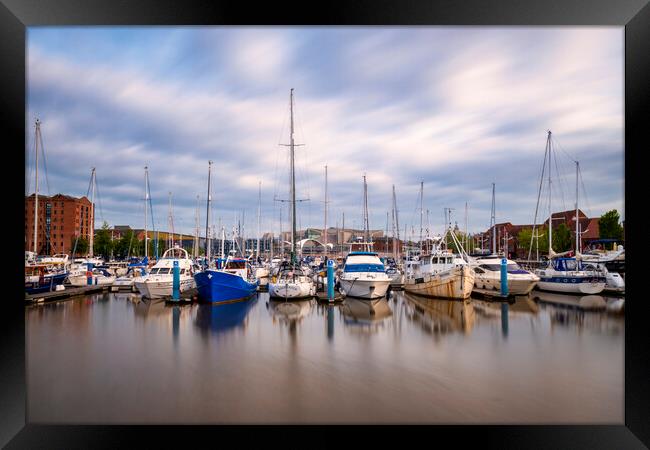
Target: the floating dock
(68, 292)
(322, 297)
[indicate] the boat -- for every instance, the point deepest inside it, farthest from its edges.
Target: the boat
(566, 274)
(99, 276)
(233, 280)
(487, 277)
(291, 281)
(135, 269)
(158, 282)
(39, 278)
(364, 276)
(614, 282)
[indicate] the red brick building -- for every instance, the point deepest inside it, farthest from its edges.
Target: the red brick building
(61, 218)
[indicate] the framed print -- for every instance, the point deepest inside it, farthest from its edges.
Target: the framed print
(371, 214)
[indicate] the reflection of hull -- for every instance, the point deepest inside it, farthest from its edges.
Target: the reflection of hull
(581, 302)
(437, 315)
(292, 290)
(217, 286)
(456, 283)
(220, 318)
(158, 288)
(361, 288)
(365, 311)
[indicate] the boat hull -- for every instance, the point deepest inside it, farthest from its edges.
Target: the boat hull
(456, 283)
(360, 288)
(48, 283)
(515, 287)
(215, 286)
(291, 290)
(571, 285)
(82, 280)
(162, 288)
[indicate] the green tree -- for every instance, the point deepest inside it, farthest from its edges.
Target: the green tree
(562, 238)
(81, 246)
(609, 226)
(102, 244)
(540, 244)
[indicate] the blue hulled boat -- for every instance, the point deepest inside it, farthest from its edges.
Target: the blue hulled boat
(233, 282)
(39, 280)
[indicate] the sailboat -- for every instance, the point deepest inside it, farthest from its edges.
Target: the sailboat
(291, 282)
(40, 276)
(137, 268)
(566, 274)
(233, 281)
(364, 274)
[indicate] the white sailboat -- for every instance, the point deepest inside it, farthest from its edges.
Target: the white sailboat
(158, 282)
(562, 274)
(291, 282)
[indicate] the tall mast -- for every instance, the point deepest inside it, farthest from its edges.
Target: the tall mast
(293, 189)
(207, 218)
(577, 221)
(325, 225)
(421, 211)
(196, 230)
(396, 213)
(146, 194)
(493, 223)
(259, 218)
(92, 213)
(366, 226)
(465, 242)
(36, 138)
(343, 226)
(550, 211)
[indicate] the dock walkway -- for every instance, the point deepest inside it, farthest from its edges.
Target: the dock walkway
(69, 291)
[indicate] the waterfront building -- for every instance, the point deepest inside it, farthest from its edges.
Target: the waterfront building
(61, 219)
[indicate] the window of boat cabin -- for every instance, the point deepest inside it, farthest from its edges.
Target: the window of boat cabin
(571, 264)
(164, 270)
(236, 265)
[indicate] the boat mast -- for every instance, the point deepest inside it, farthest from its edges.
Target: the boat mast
(493, 223)
(325, 225)
(92, 213)
(550, 211)
(577, 221)
(366, 226)
(421, 212)
(396, 218)
(36, 138)
(259, 218)
(293, 189)
(207, 219)
(196, 229)
(146, 247)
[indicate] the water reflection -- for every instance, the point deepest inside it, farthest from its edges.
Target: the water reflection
(369, 314)
(585, 302)
(220, 318)
(440, 316)
(289, 313)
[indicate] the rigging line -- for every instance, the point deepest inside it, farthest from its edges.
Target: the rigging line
(560, 179)
(539, 193)
(29, 169)
(584, 190)
(47, 180)
(99, 199)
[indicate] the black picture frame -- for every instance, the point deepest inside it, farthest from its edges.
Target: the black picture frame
(634, 15)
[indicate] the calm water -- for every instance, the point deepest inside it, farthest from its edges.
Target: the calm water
(113, 358)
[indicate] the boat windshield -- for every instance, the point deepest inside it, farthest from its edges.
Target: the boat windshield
(236, 265)
(511, 267)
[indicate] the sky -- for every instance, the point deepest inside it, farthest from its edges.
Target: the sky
(457, 108)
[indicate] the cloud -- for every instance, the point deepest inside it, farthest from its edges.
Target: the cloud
(456, 108)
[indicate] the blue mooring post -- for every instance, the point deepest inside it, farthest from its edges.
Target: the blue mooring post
(89, 274)
(330, 280)
(504, 277)
(176, 290)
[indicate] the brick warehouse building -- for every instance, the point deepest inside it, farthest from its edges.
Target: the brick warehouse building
(61, 218)
(507, 232)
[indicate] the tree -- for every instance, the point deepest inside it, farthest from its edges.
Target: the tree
(562, 238)
(81, 246)
(609, 226)
(539, 244)
(103, 244)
